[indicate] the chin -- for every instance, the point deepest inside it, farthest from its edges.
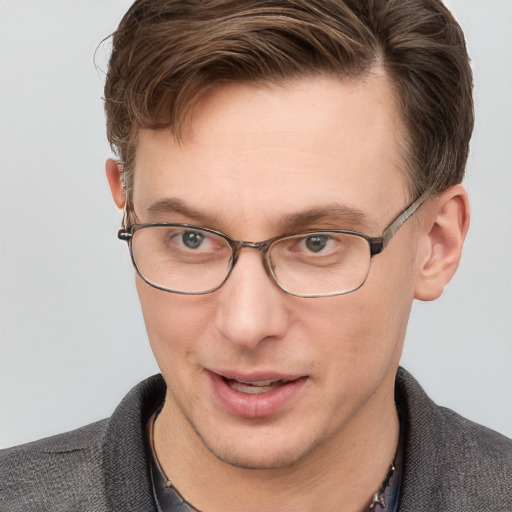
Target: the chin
(261, 454)
(257, 460)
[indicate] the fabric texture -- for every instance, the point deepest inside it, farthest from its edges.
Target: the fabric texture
(450, 463)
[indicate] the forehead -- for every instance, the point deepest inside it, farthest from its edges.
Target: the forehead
(279, 150)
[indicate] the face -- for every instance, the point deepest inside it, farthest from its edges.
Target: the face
(261, 378)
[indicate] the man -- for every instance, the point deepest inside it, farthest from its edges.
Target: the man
(290, 179)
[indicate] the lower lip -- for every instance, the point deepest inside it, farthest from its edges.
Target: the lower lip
(255, 405)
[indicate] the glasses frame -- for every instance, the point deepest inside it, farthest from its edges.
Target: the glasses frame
(376, 245)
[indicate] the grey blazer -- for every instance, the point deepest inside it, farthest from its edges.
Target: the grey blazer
(450, 464)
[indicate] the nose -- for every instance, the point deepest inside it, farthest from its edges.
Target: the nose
(251, 307)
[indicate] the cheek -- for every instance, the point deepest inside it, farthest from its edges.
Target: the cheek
(365, 329)
(387, 297)
(174, 324)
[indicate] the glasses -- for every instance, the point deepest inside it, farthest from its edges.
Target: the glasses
(192, 260)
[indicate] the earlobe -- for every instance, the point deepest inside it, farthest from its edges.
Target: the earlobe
(113, 169)
(443, 234)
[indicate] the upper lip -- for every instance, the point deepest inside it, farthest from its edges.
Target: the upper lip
(255, 376)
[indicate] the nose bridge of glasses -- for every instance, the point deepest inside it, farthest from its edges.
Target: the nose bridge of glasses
(259, 246)
(262, 247)
(238, 245)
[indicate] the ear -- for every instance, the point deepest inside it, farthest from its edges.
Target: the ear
(113, 169)
(444, 228)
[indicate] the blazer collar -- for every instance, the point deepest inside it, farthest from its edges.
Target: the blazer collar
(127, 474)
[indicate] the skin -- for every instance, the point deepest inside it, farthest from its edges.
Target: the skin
(250, 158)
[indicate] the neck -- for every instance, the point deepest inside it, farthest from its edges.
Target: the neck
(342, 473)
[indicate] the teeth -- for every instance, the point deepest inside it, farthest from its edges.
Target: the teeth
(259, 382)
(253, 388)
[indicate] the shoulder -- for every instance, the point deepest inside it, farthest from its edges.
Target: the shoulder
(451, 463)
(473, 440)
(64, 469)
(88, 469)
(475, 456)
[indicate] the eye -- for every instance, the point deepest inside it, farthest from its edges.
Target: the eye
(195, 241)
(316, 243)
(192, 239)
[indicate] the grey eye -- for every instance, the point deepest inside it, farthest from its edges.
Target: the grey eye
(316, 243)
(192, 239)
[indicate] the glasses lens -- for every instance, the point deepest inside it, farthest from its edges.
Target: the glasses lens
(181, 259)
(320, 263)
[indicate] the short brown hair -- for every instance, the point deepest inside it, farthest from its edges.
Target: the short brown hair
(166, 53)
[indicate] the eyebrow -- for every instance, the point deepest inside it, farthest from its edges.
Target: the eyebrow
(333, 216)
(177, 206)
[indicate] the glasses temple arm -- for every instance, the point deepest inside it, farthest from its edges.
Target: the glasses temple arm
(378, 244)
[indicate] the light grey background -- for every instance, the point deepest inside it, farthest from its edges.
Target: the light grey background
(72, 339)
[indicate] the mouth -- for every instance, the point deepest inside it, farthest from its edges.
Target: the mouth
(255, 387)
(257, 395)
